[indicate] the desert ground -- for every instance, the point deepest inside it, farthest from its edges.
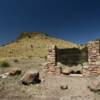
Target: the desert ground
(11, 87)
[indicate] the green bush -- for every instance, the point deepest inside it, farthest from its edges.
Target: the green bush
(4, 64)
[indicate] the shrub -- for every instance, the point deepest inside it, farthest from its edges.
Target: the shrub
(29, 57)
(4, 64)
(16, 60)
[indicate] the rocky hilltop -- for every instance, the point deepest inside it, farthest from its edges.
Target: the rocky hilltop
(32, 44)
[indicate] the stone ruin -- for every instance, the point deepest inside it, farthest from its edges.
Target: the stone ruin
(93, 67)
(52, 60)
(90, 55)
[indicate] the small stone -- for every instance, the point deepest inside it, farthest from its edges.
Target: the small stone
(5, 75)
(64, 86)
(15, 71)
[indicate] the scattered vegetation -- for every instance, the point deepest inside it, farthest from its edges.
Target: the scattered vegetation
(10, 52)
(4, 64)
(30, 57)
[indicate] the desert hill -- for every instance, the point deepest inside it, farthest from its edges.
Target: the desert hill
(32, 44)
(27, 54)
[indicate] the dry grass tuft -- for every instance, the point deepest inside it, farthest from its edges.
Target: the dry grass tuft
(4, 64)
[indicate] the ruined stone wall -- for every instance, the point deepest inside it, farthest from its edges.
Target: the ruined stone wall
(93, 67)
(51, 58)
(67, 56)
(93, 53)
(75, 56)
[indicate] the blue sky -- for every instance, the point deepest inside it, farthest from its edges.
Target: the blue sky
(74, 20)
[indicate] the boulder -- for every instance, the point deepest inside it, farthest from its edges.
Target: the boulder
(15, 71)
(30, 77)
(5, 75)
(94, 84)
(66, 71)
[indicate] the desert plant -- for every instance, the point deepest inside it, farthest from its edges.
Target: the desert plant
(29, 56)
(4, 64)
(16, 60)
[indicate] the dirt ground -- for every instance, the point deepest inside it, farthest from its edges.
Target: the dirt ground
(50, 87)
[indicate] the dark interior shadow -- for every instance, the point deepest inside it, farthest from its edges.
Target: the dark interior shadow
(71, 56)
(37, 81)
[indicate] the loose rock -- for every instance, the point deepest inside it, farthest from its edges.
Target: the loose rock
(30, 77)
(15, 71)
(94, 84)
(5, 75)
(64, 86)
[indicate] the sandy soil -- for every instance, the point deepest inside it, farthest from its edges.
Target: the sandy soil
(49, 89)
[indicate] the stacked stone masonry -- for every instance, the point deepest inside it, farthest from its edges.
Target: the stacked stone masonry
(51, 58)
(94, 57)
(93, 52)
(75, 56)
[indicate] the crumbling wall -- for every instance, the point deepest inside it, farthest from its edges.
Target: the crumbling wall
(93, 67)
(66, 56)
(51, 58)
(93, 53)
(74, 56)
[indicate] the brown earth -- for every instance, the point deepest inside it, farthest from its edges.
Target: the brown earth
(49, 89)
